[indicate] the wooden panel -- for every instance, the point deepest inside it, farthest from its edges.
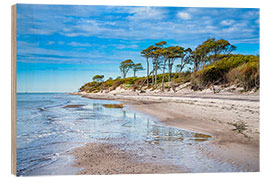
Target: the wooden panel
(13, 90)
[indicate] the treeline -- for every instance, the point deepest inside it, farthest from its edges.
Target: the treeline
(162, 56)
(211, 62)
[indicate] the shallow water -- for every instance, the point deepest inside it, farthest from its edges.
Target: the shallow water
(50, 125)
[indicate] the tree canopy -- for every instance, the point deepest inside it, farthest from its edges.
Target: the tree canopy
(159, 56)
(98, 78)
(125, 66)
(137, 67)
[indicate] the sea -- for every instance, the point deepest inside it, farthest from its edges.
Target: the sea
(48, 130)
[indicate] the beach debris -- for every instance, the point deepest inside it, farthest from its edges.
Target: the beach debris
(113, 105)
(142, 91)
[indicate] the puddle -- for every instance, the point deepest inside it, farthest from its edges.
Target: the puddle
(164, 133)
(201, 137)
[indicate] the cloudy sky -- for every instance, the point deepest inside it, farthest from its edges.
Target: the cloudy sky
(61, 47)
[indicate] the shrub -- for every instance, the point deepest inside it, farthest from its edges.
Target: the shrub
(117, 83)
(130, 80)
(233, 75)
(249, 75)
(216, 72)
(240, 126)
(211, 74)
(182, 77)
(108, 83)
(139, 82)
(91, 87)
(195, 82)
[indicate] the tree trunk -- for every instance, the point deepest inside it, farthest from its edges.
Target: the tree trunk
(163, 76)
(170, 72)
(134, 73)
(169, 65)
(181, 67)
(153, 75)
(156, 75)
(180, 71)
(196, 64)
(196, 67)
(147, 72)
(215, 57)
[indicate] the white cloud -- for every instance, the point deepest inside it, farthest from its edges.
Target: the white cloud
(79, 44)
(238, 27)
(110, 23)
(50, 43)
(257, 21)
(227, 22)
(184, 15)
(122, 46)
(252, 14)
(27, 44)
(42, 55)
(41, 31)
(140, 13)
(250, 41)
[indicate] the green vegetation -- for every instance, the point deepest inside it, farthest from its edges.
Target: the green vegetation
(98, 78)
(125, 66)
(240, 126)
(137, 67)
(110, 84)
(211, 63)
(231, 69)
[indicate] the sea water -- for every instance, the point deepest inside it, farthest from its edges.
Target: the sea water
(47, 131)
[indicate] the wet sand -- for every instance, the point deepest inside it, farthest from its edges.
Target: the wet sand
(103, 158)
(217, 114)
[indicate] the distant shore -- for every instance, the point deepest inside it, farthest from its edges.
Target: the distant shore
(231, 118)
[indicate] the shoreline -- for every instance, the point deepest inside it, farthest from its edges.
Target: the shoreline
(213, 114)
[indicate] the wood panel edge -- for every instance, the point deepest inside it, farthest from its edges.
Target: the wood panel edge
(13, 90)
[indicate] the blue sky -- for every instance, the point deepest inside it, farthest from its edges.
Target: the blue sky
(60, 47)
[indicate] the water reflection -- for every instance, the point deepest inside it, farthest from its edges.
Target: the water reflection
(97, 107)
(113, 105)
(124, 115)
(157, 133)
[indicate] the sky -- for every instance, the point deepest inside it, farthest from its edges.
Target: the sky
(61, 47)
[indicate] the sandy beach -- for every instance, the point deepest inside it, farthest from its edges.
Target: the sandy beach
(103, 158)
(232, 120)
